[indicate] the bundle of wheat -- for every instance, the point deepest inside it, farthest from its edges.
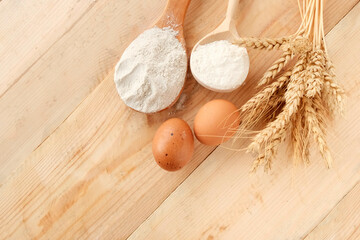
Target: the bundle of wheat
(302, 98)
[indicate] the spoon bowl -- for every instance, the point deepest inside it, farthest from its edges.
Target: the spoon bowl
(219, 65)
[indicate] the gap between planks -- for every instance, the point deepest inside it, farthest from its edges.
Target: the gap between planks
(48, 49)
(331, 217)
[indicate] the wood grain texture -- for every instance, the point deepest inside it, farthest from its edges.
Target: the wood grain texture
(52, 85)
(94, 176)
(343, 222)
(220, 201)
(34, 26)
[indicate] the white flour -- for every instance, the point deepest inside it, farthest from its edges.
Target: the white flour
(220, 65)
(151, 72)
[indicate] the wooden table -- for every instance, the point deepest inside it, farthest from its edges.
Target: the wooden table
(76, 163)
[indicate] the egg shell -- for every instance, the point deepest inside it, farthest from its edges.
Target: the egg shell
(214, 120)
(173, 144)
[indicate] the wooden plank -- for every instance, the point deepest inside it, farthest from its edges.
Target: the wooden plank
(219, 200)
(95, 176)
(343, 222)
(69, 65)
(28, 29)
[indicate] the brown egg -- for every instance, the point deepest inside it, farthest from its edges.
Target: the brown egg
(216, 121)
(173, 144)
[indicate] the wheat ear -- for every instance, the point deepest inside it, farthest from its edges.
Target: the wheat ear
(315, 76)
(271, 148)
(297, 138)
(265, 158)
(333, 94)
(276, 68)
(264, 95)
(261, 43)
(316, 127)
(305, 137)
(293, 95)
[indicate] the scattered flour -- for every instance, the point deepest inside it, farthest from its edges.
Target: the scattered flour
(151, 72)
(220, 66)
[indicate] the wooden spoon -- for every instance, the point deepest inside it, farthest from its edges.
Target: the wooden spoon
(172, 17)
(227, 29)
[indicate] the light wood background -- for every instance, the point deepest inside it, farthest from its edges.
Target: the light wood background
(75, 163)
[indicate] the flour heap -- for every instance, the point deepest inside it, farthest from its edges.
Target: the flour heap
(151, 72)
(220, 66)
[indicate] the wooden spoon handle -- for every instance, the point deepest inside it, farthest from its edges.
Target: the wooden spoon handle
(178, 9)
(174, 13)
(233, 10)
